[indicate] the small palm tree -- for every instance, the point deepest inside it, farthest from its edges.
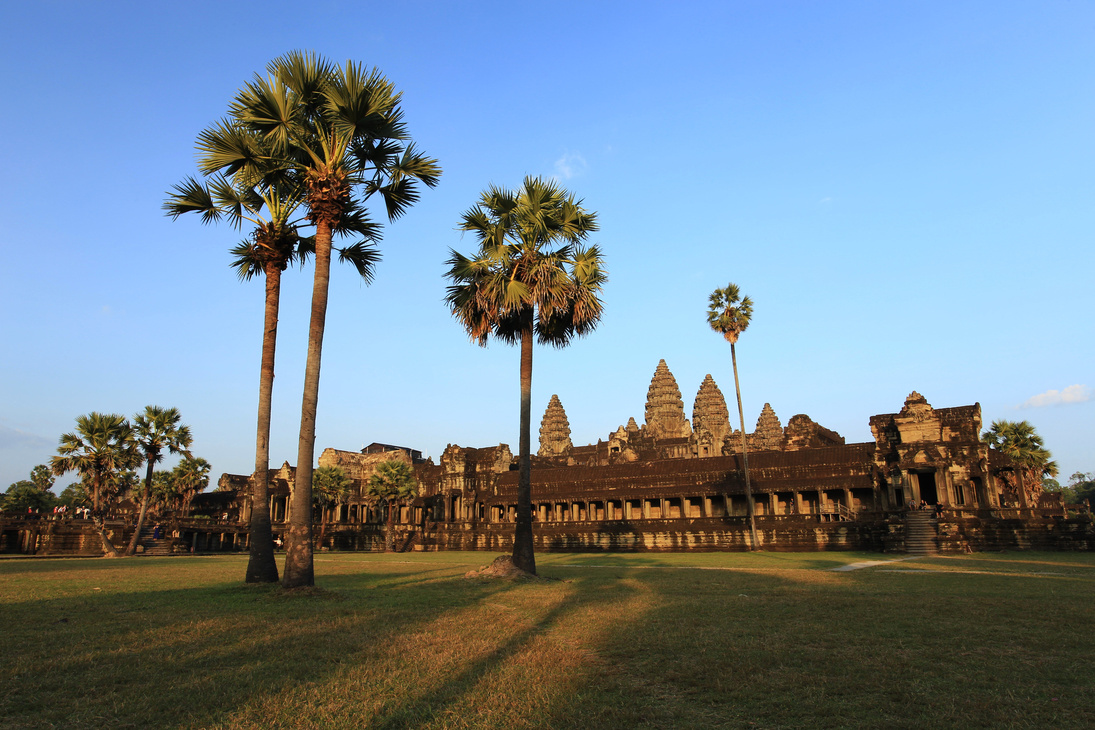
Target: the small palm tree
(1019, 441)
(156, 430)
(101, 449)
(330, 487)
(341, 132)
(530, 278)
(391, 485)
(729, 314)
(189, 477)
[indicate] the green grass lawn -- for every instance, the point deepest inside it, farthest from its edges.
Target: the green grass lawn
(616, 641)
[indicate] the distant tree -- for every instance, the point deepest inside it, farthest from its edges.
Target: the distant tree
(101, 450)
(24, 496)
(189, 477)
(392, 484)
(1019, 441)
(330, 487)
(729, 314)
(1081, 487)
(341, 131)
(531, 278)
(42, 477)
(156, 430)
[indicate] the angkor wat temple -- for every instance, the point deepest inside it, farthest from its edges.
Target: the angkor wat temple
(674, 484)
(671, 484)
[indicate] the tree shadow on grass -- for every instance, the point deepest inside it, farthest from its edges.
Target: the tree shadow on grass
(198, 655)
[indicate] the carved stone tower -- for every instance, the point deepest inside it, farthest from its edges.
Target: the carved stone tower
(664, 407)
(769, 433)
(710, 418)
(554, 430)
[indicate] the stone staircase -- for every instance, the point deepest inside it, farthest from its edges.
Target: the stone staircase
(163, 546)
(920, 533)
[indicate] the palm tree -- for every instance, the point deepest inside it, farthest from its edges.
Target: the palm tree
(341, 131)
(729, 313)
(267, 197)
(189, 477)
(531, 276)
(1019, 441)
(392, 483)
(156, 430)
(100, 449)
(267, 194)
(330, 487)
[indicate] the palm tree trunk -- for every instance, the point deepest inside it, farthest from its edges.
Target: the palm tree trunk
(99, 520)
(262, 567)
(744, 454)
(132, 549)
(523, 555)
(299, 569)
(389, 536)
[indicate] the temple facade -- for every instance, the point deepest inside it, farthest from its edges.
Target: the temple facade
(672, 483)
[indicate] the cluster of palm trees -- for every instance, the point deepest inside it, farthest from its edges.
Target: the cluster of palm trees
(105, 449)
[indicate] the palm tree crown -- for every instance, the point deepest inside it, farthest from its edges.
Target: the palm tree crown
(530, 271)
(729, 313)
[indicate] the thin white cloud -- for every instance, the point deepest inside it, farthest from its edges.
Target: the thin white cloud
(1071, 394)
(571, 164)
(13, 438)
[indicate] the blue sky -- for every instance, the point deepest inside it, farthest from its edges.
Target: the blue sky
(904, 189)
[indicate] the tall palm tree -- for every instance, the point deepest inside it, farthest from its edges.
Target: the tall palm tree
(100, 449)
(729, 313)
(341, 131)
(156, 430)
(392, 484)
(530, 277)
(268, 197)
(1019, 441)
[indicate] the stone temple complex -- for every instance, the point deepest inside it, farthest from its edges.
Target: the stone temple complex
(675, 484)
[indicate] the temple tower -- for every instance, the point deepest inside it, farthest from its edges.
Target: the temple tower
(554, 430)
(710, 418)
(769, 433)
(664, 407)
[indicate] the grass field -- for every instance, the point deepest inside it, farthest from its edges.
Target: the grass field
(615, 641)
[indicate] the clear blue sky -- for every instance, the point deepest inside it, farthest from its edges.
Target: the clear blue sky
(905, 189)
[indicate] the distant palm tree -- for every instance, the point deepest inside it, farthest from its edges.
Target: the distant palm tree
(530, 277)
(189, 477)
(393, 483)
(330, 487)
(156, 430)
(341, 131)
(729, 313)
(1019, 441)
(101, 450)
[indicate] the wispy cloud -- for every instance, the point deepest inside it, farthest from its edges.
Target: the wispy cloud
(571, 164)
(12, 438)
(1071, 394)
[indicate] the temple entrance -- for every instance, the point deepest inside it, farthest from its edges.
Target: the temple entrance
(926, 481)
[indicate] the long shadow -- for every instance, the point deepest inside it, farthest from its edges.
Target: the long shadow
(118, 657)
(434, 701)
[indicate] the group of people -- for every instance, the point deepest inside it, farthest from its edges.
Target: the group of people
(938, 507)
